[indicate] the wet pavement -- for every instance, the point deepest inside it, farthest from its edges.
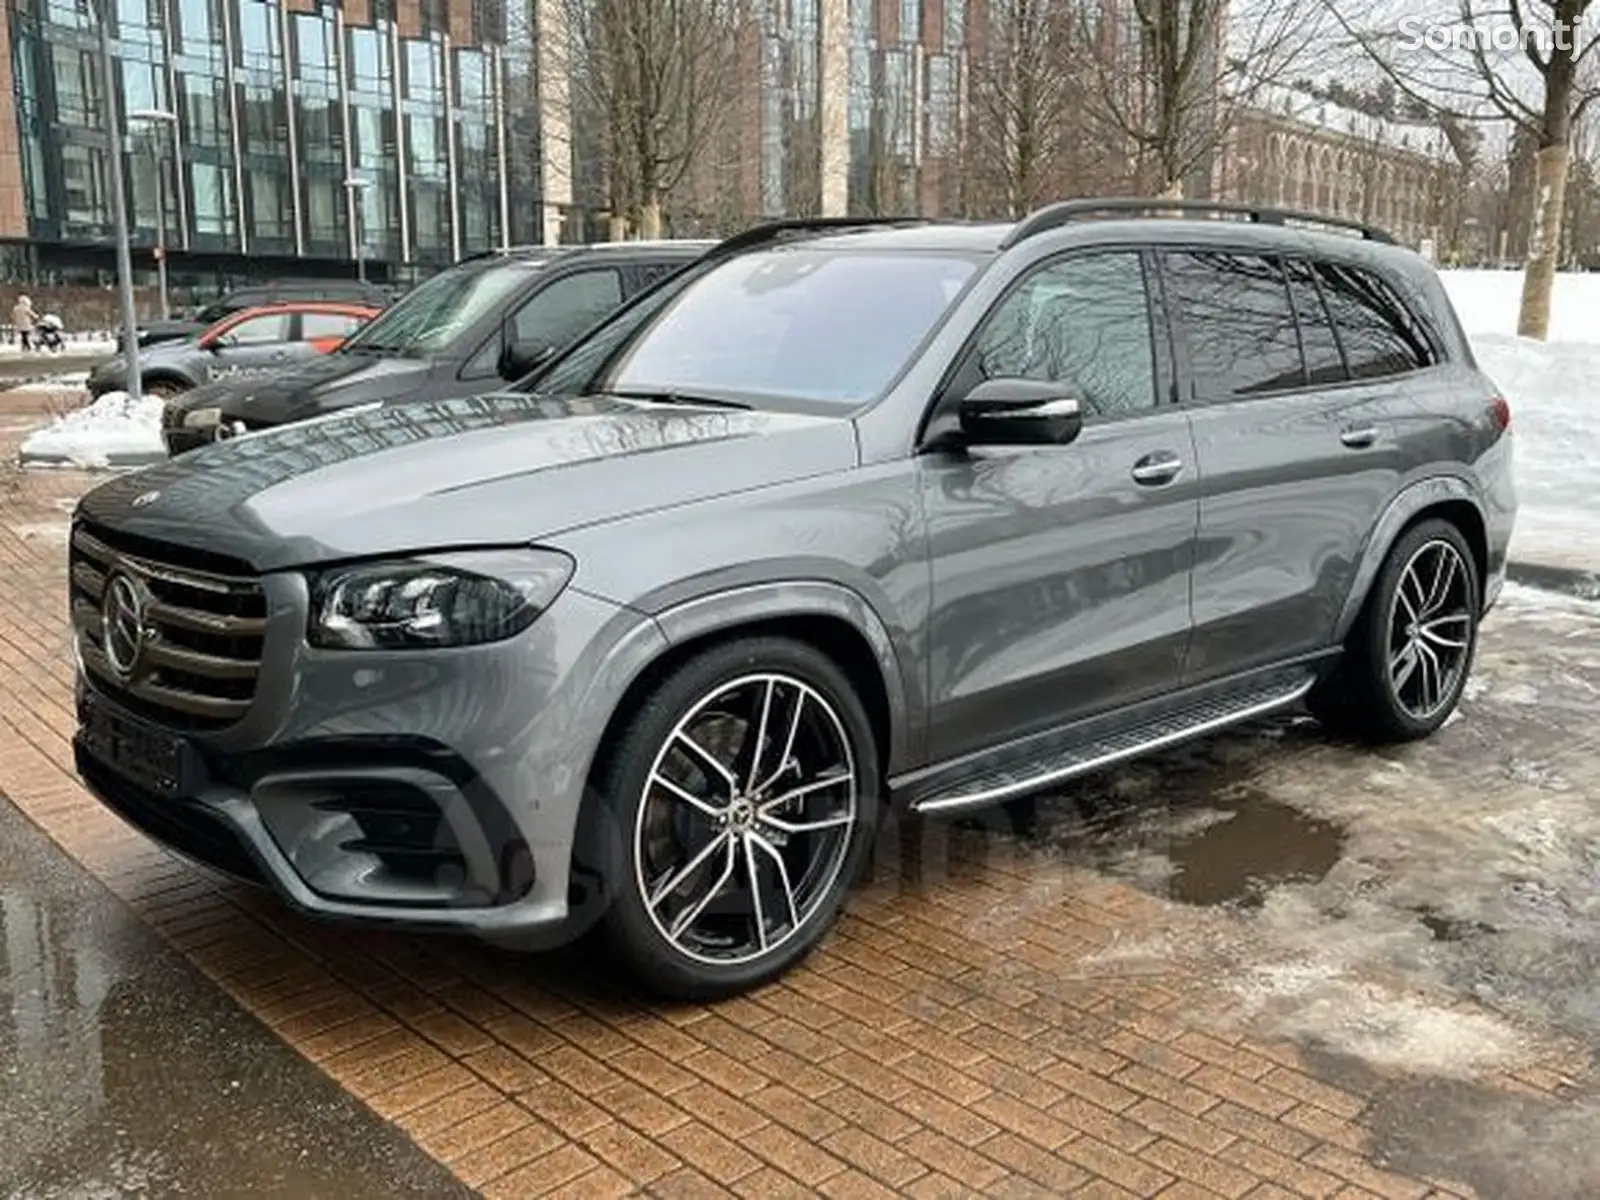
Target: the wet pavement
(123, 1071)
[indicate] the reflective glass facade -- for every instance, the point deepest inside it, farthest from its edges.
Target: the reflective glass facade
(281, 107)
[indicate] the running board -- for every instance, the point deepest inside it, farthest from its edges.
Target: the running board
(1199, 719)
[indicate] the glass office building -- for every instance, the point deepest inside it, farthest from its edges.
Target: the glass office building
(302, 129)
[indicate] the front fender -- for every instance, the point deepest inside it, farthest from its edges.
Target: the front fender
(753, 603)
(1403, 509)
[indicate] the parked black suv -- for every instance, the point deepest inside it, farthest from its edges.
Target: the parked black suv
(843, 516)
(472, 328)
(281, 291)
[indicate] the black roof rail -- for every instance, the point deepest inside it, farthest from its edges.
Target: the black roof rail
(774, 231)
(1055, 216)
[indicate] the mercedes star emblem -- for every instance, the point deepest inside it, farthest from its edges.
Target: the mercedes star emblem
(144, 499)
(122, 625)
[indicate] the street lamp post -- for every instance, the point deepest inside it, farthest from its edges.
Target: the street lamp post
(158, 117)
(119, 202)
(355, 187)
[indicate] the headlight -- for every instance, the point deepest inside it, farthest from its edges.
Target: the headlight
(202, 418)
(442, 600)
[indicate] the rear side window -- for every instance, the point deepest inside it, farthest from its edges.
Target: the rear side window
(1241, 327)
(1324, 359)
(327, 325)
(1380, 334)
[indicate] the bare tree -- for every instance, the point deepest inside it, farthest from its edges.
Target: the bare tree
(1173, 73)
(1027, 91)
(654, 76)
(1526, 62)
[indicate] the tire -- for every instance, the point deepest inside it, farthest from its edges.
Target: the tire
(1386, 689)
(761, 896)
(164, 389)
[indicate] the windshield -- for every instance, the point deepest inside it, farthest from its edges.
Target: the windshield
(427, 320)
(797, 324)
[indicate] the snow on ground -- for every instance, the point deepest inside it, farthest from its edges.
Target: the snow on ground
(1554, 390)
(111, 432)
(90, 344)
(71, 381)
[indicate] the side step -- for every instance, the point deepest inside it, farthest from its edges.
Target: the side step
(1196, 720)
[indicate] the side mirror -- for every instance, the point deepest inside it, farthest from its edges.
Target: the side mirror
(520, 358)
(1020, 412)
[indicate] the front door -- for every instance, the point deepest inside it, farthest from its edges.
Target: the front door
(1060, 575)
(1297, 373)
(254, 346)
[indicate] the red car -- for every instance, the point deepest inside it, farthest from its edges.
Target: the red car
(255, 341)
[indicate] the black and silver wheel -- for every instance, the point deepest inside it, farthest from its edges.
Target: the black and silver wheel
(745, 796)
(1407, 660)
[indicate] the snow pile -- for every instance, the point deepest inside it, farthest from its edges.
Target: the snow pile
(1554, 390)
(112, 432)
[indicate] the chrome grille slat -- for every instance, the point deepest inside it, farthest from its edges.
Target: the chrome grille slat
(201, 632)
(200, 621)
(162, 654)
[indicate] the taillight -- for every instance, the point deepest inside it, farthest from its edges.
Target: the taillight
(1500, 413)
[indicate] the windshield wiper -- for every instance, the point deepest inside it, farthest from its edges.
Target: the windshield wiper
(683, 399)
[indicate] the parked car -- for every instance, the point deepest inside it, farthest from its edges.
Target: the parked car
(281, 291)
(845, 516)
(250, 344)
(467, 330)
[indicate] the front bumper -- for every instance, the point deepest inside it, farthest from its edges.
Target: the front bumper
(437, 790)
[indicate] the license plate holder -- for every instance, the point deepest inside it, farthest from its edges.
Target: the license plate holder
(143, 754)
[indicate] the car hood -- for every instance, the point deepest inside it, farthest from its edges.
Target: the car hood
(492, 470)
(323, 385)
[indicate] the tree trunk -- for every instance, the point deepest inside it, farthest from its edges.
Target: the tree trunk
(1173, 190)
(650, 218)
(617, 227)
(1544, 240)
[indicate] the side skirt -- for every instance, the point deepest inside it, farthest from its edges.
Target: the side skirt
(1087, 746)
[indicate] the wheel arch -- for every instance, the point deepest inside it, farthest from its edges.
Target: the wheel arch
(829, 616)
(1446, 497)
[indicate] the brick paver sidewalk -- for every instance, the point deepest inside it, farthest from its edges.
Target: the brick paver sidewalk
(954, 1037)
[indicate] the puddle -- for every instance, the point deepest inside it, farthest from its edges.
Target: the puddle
(1227, 848)
(1261, 845)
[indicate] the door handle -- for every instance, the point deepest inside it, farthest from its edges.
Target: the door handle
(1153, 470)
(1359, 437)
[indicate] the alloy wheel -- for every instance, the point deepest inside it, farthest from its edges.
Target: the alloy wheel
(746, 820)
(1430, 630)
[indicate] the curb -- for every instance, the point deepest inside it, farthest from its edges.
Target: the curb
(1569, 581)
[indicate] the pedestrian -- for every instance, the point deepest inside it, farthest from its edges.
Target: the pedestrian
(23, 319)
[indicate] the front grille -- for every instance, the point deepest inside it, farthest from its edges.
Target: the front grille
(189, 651)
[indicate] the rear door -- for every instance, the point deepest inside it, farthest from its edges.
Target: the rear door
(1295, 372)
(1060, 574)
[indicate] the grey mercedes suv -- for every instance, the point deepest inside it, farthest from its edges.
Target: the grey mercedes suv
(845, 516)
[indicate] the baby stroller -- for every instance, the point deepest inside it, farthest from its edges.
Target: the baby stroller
(47, 334)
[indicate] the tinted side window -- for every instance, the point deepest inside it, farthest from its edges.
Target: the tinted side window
(554, 315)
(647, 274)
(1084, 322)
(1380, 334)
(326, 325)
(1324, 360)
(1241, 330)
(257, 331)
(567, 307)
